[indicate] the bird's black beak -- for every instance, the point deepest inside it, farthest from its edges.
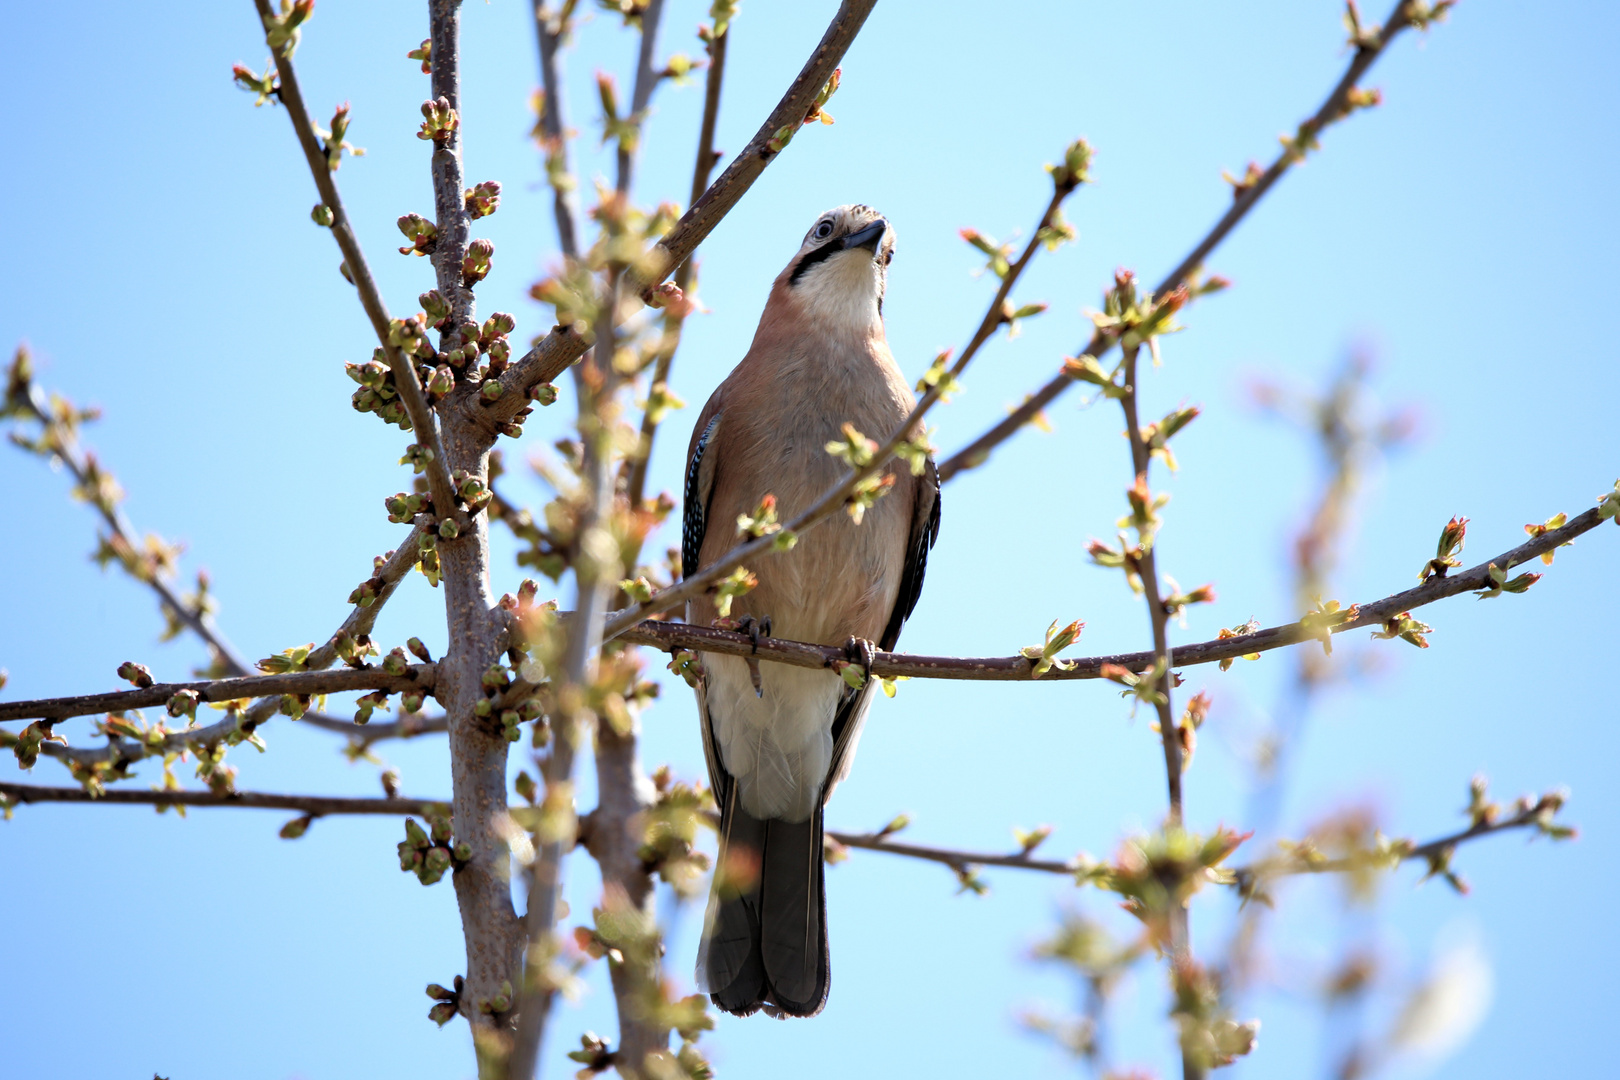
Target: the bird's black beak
(869, 237)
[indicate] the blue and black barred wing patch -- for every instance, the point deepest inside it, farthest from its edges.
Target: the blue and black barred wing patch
(695, 511)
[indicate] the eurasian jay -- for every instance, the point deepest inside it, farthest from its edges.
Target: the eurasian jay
(777, 747)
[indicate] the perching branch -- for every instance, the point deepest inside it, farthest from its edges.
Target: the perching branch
(1247, 193)
(553, 127)
(423, 424)
(670, 636)
(563, 346)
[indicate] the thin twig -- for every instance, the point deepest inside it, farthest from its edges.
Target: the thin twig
(1334, 108)
(957, 860)
(1180, 918)
(1287, 865)
(414, 677)
(407, 726)
(423, 425)
(68, 451)
(340, 805)
(1158, 616)
(642, 90)
(563, 346)
(317, 805)
(554, 128)
(707, 156)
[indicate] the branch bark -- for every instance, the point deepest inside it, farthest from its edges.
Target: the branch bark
(477, 635)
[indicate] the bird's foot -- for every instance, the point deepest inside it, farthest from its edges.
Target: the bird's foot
(755, 629)
(863, 652)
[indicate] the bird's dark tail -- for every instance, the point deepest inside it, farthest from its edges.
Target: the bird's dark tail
(765, 938)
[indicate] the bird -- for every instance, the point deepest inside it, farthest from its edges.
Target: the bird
(776, 746)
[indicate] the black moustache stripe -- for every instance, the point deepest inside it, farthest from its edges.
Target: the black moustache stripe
(822, 253)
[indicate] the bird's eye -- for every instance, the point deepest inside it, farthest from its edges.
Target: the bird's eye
(822, 230)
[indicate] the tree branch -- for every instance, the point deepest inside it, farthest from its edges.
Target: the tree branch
(408, 726)
(1336, 107)
(423, 423)
(318, 805)
(554, 128)
(66, 448)
(707, 156)
(339, 805)
(563, 346)
(670, 636)
(415, 677)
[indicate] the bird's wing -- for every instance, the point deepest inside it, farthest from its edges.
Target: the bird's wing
(700, 467)
(924, 531)
(700, 470)
(853, 704)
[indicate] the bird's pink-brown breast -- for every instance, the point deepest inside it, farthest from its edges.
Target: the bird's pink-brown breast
(779, 409)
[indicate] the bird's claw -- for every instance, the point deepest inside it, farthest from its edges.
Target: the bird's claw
(755, 629)
(863, 652)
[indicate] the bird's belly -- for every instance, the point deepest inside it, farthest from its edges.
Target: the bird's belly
(778, 745)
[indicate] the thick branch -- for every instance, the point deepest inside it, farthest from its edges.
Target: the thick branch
(1334, 108)
(562, 346)
(449, 204)
(423, 423)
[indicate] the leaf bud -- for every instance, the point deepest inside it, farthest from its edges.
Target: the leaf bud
(136, 674)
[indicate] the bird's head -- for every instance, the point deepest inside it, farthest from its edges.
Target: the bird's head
(839, 274)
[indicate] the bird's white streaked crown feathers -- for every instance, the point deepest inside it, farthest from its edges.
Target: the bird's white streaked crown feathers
(841, 286)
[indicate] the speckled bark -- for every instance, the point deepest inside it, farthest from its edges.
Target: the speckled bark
(478, 750)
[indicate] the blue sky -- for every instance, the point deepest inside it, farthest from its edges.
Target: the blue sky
(164, 267)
